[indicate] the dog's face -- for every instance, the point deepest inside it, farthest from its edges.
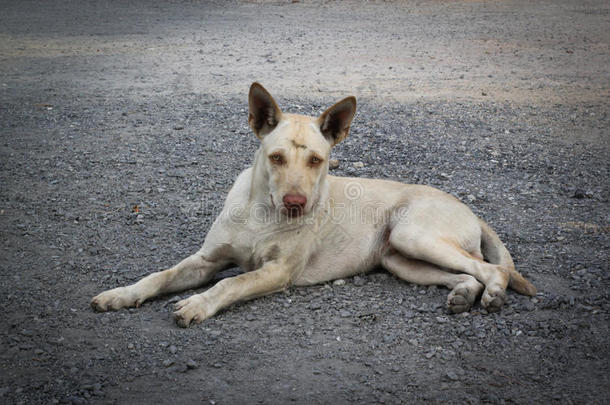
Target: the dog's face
(296, 148)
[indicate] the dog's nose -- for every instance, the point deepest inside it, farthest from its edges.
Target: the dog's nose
(295, 202)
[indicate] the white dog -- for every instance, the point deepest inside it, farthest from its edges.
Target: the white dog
(287, 222)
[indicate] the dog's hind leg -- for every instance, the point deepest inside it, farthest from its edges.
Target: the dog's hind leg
(418, 243)
(464, 288)
(191, 272)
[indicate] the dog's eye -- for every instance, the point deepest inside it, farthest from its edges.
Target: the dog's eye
(276, 158)
(314, 161)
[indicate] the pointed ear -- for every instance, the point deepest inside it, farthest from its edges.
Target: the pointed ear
(334, 122)
(264, 113)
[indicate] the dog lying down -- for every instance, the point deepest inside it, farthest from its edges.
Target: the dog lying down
(287, 222)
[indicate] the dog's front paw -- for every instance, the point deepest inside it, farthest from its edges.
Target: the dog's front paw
(117, 298)
(194, 309)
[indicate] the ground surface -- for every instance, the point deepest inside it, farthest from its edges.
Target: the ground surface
(105, 106)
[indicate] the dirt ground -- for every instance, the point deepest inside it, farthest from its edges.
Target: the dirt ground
(123, 125)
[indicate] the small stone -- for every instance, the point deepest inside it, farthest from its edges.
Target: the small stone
(339, 282)
(168, 362)
(452, 376)
(178, 127)
(359, 281)
(529, 306)
(77, 401)
(389, 338)
(344, 313)
(191, 364)
(173, 349)
(579, 194)
(333, 163)
(358, 165)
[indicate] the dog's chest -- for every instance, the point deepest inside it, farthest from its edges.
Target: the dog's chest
(341, 252)
(253, 245)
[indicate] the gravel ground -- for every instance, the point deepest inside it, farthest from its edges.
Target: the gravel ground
(124, 125)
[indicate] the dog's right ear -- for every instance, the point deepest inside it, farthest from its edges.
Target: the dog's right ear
(264, 113)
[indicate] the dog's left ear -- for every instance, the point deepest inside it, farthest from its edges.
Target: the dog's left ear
(335, 122)
(264, 113)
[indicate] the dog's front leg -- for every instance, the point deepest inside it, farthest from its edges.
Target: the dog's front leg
(272, 277)
(191, 272)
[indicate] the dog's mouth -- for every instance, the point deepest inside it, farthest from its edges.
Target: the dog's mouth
(292, 211)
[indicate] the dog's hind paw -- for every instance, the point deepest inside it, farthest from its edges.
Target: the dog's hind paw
(121, 297)
(463, 295)
(459, 300)
(493, 299)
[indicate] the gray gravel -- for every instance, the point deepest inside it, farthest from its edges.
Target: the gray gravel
(112, 167)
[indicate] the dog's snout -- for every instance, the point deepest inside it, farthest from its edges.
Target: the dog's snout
(295, 200)
(295, 203)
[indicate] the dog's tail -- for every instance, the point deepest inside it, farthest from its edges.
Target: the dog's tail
(495, 252)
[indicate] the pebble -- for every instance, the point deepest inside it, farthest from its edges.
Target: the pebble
(389, 338)
(333, 164)
(452, 376)
(359, 281)
(358, 165)
(339, 282)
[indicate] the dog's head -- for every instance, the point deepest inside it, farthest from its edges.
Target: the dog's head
(295, 148)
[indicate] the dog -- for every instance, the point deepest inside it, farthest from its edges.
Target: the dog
(287, 222)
